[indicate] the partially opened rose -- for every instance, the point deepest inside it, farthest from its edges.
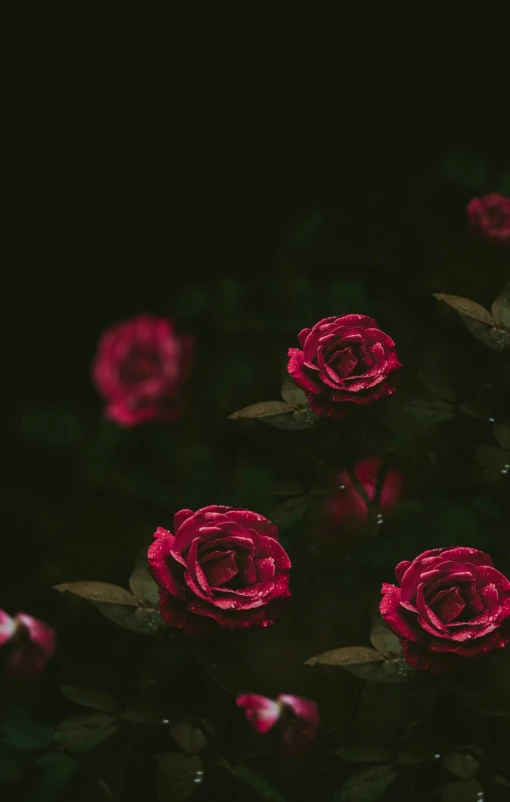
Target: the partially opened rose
(368, 487)
(26, 645)
(344, 360)
(489, 218)
(297, 719)
(450, 603)
(223, 566)
(140, 368)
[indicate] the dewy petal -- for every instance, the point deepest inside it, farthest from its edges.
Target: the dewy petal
(448, 605)
(171, 611)
(428, 620)
(401, 569)
(490, 576)
(261, 713)
(412, 577)
(399, 620)
(254, 521)
(267, 547)
(195, 568)
(220, 569)
(190, 527)
(181, 516)
(300, 374)
(490, 595)
(472, 648)
(265, 571)
(234, 619)
(166, 572)
(303, 334)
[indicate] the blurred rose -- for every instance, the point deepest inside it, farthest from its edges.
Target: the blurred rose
(297, 719)
(140, 368)
(345, 359)
(27, 644)
(489, 218)
(370, 489)
(223, 566)
(450, 603)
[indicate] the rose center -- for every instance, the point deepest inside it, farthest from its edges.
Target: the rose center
(140, 364)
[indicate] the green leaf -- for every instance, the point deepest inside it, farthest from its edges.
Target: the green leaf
(466, 308)
(85, 731)
(388, 671)
(56, 771)
(53, 426)
(489, 464)
(289, 513)
(300, 419)
(263, 409)
(463, 766)
(502, 435)
(364, 754)
(346, 656)
(254, 780)
(143, 586)
(465, 170)
(366, 785)
(293, 394)
(19, 730)
(493, 337)
(190, 739)
(178, 776)
(384, 640)
(143, 712)
(99, 592)
(90, 697)
(501, 308)
(467, 791)
(140, 620)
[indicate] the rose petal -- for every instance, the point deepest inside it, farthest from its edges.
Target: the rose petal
(221, 569)
(448, 605)
(166, 572)
(261, 713)
(399, 620)
(7, 627)
(367, 471)
(267, 547)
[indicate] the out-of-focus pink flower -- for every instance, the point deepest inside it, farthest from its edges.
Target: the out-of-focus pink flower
(141, 367)
(489, 218)
(369, 487)
(297, 719)
(28, 643)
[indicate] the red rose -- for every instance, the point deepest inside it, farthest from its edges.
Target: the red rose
(298, 719)
(451, 603)
(140, 368)
(344, 359)
(347, 509)
(223, 565)
(28, 645)
(489, 218)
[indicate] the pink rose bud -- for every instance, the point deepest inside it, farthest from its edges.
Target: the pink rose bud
(297, 719)
(223, 566)
(28, 643)
(489, 218)
(369, 487)
(450, 604)
(140, 368)
(345, 360)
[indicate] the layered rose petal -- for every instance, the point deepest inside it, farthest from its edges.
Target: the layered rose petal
(262, 713)
(297, 718)
(451, 602)
(224, 564)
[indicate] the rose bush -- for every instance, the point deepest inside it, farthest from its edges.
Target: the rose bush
(345, 359)
(27, 644)
(451, 603)
(298, 719)
(489, 218)
(223, 565)
(140, 368)
(346, 511)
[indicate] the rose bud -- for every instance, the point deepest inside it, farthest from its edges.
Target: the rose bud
(366, 493)
(223, 567)
(489, 218)
(140, 368)
(344, 360)
(450, 604)
(27, 644)
(296, 718)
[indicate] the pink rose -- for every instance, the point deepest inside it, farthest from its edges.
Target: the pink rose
(140, 368)
(489, 218)
(451, 603)
(224, 566)
(344, 359)
(28, 645)
(367, 486)
(298, 719)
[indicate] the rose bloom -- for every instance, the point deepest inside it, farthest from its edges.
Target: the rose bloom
(223, 566)
(140, 368)
(297, 718)
(451, 603)
(343, 360)
(489, 218)
(27, 644)
(346, 511)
